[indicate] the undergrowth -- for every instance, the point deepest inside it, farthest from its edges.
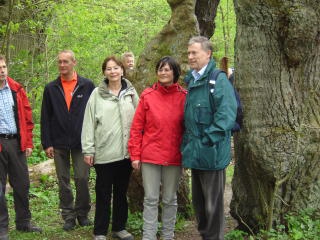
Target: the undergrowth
(304, 225)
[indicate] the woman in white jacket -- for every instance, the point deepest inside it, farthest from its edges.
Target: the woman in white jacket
(105, 134)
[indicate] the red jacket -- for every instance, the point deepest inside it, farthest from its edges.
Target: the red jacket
(23, 114)
(157, 127)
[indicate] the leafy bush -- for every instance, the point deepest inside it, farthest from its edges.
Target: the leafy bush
(38, 155)
(135, 223)
(236, 235)
(304, 225)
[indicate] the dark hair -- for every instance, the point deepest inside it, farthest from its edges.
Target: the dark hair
(116, 60)
(173, 64)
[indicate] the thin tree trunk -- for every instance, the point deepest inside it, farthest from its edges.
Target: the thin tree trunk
(224, 30)
(7, 37)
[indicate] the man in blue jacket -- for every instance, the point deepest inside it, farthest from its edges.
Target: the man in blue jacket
(209, 117)
(63, 105)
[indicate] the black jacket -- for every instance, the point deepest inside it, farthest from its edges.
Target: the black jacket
(61, 128)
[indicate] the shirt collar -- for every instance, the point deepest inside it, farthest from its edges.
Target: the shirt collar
(6, 85)
(197, 75)
(74, 77)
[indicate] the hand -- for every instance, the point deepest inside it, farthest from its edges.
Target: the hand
(28, 152)
(136, 164)
(49, 152)
(89, 160)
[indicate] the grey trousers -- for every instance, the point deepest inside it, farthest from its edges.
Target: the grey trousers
(168, 177)
(81, 206)
(207, 199)
(13, 164)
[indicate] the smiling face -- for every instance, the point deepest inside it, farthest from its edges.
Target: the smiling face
(113, 71)
(66, 64)
(165, 75)
(197, 56)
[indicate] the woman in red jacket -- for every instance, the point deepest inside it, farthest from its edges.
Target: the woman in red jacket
(154, 145)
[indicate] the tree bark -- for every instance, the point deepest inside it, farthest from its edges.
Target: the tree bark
(206, 13)
(277, 72)
(172, 41)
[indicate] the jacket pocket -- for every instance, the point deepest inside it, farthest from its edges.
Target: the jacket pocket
(203, 117)
(208, 155)
(216, 157)
(202, 113)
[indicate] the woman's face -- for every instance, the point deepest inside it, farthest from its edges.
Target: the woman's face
(165, 75)
(113, 71)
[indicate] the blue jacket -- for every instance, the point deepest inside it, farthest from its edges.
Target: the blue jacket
(61, 128)
(208, 122)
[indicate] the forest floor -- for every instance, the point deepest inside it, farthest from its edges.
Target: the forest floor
(188, 232)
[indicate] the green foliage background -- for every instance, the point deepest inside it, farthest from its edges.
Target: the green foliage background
(93, 29)
(96, 29)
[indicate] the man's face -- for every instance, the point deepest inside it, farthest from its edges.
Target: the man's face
(129, 63)
(66, 64)
(197, 57)
(3, 71)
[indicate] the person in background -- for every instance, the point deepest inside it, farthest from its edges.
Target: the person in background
(128, 60)
(206, 143)
(16, 144)
(105, 135)
(154, 145)
(128, 63)
(63, 105)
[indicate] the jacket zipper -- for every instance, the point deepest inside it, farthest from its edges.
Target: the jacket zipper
(74, 91)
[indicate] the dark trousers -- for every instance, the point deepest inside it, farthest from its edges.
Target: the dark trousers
(112, 181)
(207, 198)
(81, 206)
(13, 163)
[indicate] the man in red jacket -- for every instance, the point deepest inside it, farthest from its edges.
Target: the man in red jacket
(15, 145)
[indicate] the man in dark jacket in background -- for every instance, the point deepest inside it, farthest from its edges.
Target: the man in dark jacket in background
(63, 105)
(209, 116)
(16, 127)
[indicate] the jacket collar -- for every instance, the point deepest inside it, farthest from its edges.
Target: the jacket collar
(14, 86)
(189, 77)
(169, 89)
(105, 92)
(80, 81)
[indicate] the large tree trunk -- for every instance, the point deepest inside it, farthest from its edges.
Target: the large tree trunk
(277, 73)
(172, 41)
(188, 18)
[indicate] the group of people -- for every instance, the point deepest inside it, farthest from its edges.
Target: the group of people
(113, 130)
